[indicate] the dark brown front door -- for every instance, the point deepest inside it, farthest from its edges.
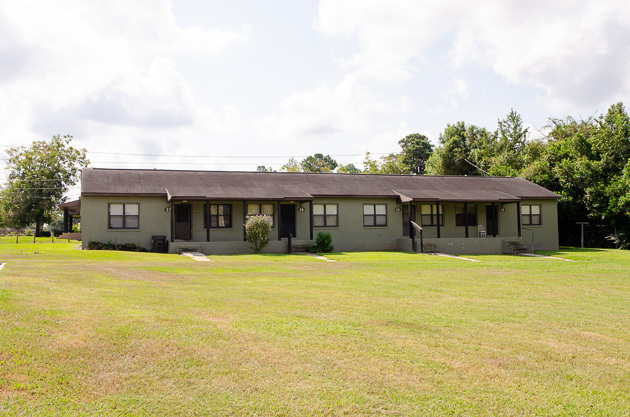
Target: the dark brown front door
(492, 221)
(182, 222)
(287, 214)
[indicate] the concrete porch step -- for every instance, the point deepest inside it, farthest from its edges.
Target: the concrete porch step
(298, 246)
(430, 248)
(188, 248)
(515, 248)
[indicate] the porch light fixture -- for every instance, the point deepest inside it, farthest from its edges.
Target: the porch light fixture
(398, 208)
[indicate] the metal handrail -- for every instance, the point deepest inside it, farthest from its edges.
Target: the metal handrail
(413, 242)
(289, 243)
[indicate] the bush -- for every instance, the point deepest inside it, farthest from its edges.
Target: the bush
(323, 243)
(257, 230)
(621, 240)
(129, 247)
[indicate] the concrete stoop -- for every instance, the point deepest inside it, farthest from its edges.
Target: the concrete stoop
(514, 247)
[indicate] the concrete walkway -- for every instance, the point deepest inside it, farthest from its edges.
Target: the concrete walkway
(320, 257)
(535, 255)
(454, 256)
(197, 256)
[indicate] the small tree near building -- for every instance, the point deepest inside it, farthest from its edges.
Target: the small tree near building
(257, 231)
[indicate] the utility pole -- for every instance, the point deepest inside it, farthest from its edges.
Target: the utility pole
(582, 238)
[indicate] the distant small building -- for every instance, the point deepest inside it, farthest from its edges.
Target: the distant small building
(207, 210)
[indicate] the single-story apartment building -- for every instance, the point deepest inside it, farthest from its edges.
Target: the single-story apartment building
(206, 210)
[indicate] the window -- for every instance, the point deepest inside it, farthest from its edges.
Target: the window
(530, 215)
(124, 216)
(428, 215)
(325, 215)
(460, 215)
(220, 216)
(374, 215)
(256, 209)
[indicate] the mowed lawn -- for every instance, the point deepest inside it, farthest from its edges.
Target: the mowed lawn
(380, 333)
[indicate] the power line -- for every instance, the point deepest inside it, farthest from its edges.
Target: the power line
(222, 156)
(177, 163)
(228, 156)
(32, 179)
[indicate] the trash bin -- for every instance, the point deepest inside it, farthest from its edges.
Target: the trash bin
(158, 243)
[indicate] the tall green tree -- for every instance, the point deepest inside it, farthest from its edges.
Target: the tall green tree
(464, 150)
(392, 164)
(291, 166)
(506, 156)
(587, 162)
(314, 163)
(348, 169)
(318, 163)
(416, 150)
(38, 178)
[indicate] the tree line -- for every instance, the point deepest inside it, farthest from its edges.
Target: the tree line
(585, 161)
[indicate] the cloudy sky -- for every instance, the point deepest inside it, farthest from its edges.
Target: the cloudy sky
(229, 85)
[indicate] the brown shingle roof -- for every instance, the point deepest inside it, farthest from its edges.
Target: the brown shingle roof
(231, 185)
(71, 205)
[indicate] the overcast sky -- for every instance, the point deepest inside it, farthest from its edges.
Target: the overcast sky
(258, 81)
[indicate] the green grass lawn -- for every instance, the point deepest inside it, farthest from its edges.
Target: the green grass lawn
(115, 333)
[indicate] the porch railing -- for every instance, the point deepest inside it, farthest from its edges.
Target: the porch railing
(417, 227)
(289, 243)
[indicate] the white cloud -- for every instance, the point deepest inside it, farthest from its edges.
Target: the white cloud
(390, 35)
(76, 65)
(327, 114)
(457, 91)
(578, 53)
(157, 98)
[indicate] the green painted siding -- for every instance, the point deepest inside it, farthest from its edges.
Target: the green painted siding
(545, 236)
(154, 220)
(349, 235)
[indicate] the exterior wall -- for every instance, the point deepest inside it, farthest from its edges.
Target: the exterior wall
(230, 234)
(351, 235)
(154, 220)
(462, 246)
(545, 236)
(507, 220)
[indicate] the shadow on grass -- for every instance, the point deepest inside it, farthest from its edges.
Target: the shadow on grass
(569, 249)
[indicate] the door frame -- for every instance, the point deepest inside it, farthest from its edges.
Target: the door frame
(492, 220)
(183, 232)
(291, 225)
(405, 218)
